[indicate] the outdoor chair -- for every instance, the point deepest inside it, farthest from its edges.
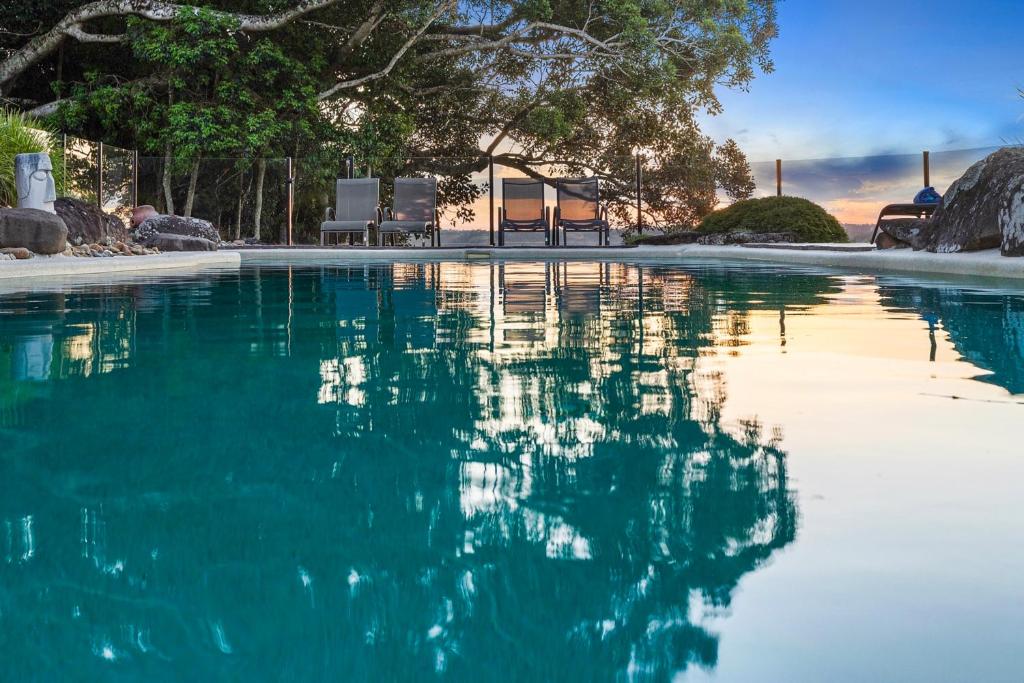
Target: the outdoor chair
(523, 208)
(579, 209)
(356, 210)
(414, 211)
(906, 210)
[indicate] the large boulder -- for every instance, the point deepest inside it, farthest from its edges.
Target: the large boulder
(141, 213)
(978, 208)
(983, 209)
(87, 224)
(34, 229)
(165, 242)
(163, 224)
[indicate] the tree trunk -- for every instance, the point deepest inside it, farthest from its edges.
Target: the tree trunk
(168, 195)
(191, 196)
(243, 194)
(261, 172)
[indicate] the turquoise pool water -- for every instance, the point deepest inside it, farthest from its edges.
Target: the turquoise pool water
(512, 471)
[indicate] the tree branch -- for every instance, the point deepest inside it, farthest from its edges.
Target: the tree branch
(46, 43)
(356, 82)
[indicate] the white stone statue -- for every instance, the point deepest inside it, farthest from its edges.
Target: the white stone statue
(33, 176)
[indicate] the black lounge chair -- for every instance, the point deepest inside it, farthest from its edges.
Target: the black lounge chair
(579, 209)
(904, 210)
(356, 210)
(523, 208)
(414, 211)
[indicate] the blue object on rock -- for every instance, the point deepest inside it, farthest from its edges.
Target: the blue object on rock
(927, 196)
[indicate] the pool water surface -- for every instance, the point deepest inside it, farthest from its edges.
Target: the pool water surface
(512, 471)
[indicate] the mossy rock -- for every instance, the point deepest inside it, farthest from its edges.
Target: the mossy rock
(808, 221)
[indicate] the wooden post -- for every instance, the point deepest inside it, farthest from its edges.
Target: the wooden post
(927, 169)
(490, 192)
(135, 178)
(290, 185)
(639, 200)
(778, 177)
(64, 162)
(99, 176)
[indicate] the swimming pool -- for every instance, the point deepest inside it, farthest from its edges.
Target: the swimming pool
(512, 471)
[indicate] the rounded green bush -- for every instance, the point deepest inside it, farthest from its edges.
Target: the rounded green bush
(807, 220)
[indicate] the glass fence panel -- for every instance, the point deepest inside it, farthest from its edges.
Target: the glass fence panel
(243, 198)
(80, 162)
(854, 189)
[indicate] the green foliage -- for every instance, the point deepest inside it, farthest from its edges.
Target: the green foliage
(810, 222)
(21, 135)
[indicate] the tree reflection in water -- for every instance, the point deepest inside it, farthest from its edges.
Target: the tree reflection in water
(496, 471)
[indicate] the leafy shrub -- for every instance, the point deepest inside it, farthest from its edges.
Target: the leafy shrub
(21, 135)
(807, 220)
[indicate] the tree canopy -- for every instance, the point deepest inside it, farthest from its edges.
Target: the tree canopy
(546, 87)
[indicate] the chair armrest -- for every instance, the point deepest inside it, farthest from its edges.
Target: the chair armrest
(547, 216)
(329, 213)
(501, 214)
(558, 215)
(380, 215)
(604, 213)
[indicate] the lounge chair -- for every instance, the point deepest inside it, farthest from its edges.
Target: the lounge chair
(523, 208)
(906, 210)
(357, 209)
(579, 209)
(414, 211)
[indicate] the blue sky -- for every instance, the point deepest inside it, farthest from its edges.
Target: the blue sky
(872, 77)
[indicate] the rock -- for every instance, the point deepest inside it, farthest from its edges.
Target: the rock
(17, 252)
(984, 209)
(886, 241)
(904, 232)
(87, 223)
(34, 229)
(180, 243)
(722, 238)
(176, 225)
(141, 213)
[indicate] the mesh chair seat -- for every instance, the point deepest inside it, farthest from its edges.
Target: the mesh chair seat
(414, 209)
(522, 208)
(345, 226)
(355, 209)
(579, 208)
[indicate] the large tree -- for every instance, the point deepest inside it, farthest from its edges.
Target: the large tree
(543, 86)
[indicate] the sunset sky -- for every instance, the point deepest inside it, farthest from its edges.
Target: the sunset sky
(883, 77)
(867, 86)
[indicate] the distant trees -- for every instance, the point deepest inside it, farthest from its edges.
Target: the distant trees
(545, 86)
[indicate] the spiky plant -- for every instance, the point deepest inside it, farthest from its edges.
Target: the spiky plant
(18, 135)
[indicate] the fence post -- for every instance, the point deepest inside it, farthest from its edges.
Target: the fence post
(927, 168)
(778, 177)
(290, 186)
(64, 162)
(135, 178)
(490, 192)
(639, 198)
(99, 176)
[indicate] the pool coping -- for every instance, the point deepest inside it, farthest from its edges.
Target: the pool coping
(985, 264)
(70, 266)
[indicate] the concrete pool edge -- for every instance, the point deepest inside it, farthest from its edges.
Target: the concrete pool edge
(66, 266)
(984, 264)
(988, 264)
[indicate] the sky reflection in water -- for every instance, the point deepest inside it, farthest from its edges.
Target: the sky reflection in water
(508, 471)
